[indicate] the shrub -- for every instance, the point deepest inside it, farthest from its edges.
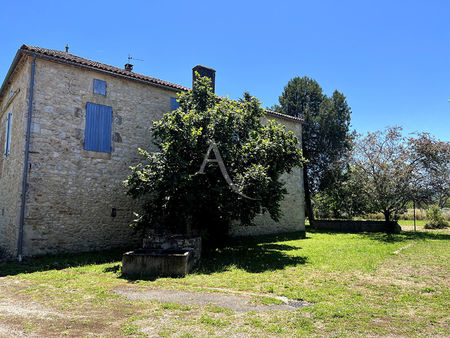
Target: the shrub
(436, 218)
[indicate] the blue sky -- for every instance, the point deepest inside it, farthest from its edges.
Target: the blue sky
(390, 58)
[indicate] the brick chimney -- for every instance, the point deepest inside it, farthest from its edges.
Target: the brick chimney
(205, 71)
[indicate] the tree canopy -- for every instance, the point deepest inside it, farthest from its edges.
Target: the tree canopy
(326, 134)
(385, 169)
(178, 196)
(432, 159)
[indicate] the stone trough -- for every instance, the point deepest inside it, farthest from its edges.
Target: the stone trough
(157, 262)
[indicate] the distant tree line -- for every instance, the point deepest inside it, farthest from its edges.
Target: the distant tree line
(350, 175)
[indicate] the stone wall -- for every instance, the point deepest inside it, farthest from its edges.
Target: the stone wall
(292, 207)
(355, 226)
(72, 192)
(76, 199)
(11, 167)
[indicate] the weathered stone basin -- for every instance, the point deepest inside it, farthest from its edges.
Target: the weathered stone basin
(157, 262)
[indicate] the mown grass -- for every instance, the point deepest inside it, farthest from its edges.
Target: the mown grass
(410, 222)
(359, 284)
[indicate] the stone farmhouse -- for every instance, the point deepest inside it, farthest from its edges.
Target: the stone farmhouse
(69, 130)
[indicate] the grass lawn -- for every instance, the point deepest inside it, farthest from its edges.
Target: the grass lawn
(410, 222)
(359, 284)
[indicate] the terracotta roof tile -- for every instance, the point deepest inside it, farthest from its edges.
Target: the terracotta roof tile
(74, 59)
(283, 116)
(70, 58)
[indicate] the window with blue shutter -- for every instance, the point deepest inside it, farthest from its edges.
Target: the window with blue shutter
(99, 87)
(8, 134)
(174, 105)
(97, 135)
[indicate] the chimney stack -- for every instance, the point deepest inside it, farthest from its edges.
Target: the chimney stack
(67, 48)
(205, 71)
(129, 67)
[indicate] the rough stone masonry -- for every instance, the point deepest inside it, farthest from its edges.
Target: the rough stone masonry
(75, 199)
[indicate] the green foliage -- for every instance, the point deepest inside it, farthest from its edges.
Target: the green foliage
(436, 218)
(343, 197)
(432, 160)
(326, 136)
(386, 172)
(178, 198)
(384, 169)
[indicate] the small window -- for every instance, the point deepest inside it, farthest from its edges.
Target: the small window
(8, 134)
(99, 87)
(174, 105)
(10, 93)
(97, 134)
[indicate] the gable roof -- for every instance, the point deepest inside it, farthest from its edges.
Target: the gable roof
(64, 57)
(67, 58)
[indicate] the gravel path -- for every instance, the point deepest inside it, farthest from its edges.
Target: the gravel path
(240, 303)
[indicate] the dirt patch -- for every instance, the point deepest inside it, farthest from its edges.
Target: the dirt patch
(238, 302)
(403, 248)
(15, 307)
(9, 332)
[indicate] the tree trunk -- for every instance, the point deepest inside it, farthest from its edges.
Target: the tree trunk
(387, 216)
(309, 210)
(391, 227)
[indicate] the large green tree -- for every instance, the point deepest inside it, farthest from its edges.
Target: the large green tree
(182, 192)
(326, 136)
(432, 158)
(386, 170)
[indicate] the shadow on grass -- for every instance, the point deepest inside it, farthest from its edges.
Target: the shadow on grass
(407, 236)
(59, 262)
(390, 238)
(251, 254)
(254, 255)
(251, 259)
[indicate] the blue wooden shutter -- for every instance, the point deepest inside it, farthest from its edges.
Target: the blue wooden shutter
(174, 105)
(99, 87)
(8, 134)
(97, 135)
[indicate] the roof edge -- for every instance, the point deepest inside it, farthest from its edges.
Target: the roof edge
(75, 64)
(113, 71)
(11, 70)
(284, 116)
(25, 49)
